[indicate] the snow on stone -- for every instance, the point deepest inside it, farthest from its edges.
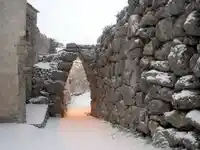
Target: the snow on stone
(183, 94)
(194, 116)
(184, 80)
(43, 65)
(35, 114)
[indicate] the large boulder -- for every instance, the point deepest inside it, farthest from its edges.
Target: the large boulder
(191, 141)
(127, 94)
(65, 66)
(160, 78)
(186, 99)
(191, 24)
(158, 92)
(179, 59)
(188, 82)
(148, 19)
(164, 29)
(158, 107)
(193, 118)
(163, 52)
(59, 75)
(175, 7)
(177, 119)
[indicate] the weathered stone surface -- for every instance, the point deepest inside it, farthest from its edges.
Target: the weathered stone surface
(139, 98)
(164, 29)
(162, 54)
(133, 25)
(158, 92)
(160, 78)
(175, 7)
(178, 30)
(193, 118)
(191, 24)
(186, 99)
(145, 62)
(148, 19)
(128, 94)
(56, 87)
(64, 66)
(146, 33)
(177, 119)
(160, 119)
(179, 58)
(67, 56)
(160, 65)
(195, 64)
(149, 49)
(158, 3)
(191, 141)
(153, 125)
(158, 107)
(168, 137)
(188, 82)
(59, 75)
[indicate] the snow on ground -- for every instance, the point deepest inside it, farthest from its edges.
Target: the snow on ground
(71, 133)
(35, 114)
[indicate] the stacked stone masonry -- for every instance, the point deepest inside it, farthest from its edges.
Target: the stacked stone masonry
(144, 74)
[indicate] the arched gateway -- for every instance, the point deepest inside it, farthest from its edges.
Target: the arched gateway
(51, 74)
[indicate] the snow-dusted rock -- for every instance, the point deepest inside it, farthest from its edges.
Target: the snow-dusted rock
(186, 99)
(133, 25)
(179, 58)
(193, 118)
(160, 78)
(191, 141)
(191, 24)
(146, 33)
(168, 137)
(188, 82)
(160, 65)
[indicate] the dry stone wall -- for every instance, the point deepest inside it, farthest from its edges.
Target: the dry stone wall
(148, 71)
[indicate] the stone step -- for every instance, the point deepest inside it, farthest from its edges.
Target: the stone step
(37, 115)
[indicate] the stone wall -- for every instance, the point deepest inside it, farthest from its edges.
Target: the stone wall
(148, 71)
(12, 16)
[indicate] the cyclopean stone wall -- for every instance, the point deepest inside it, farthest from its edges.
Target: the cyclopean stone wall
(148, 71)
(144, 73)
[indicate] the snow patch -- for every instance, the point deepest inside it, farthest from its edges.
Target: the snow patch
(36, 113)
(183, 94)
(43, 65)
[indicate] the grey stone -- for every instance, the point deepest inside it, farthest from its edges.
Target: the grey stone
(56, 87)
(191, 141)
(64, 66)
(162, 54)
(179, 58)
(133, 25)
(139, 98)
(178, 30)
(160, 65)
(145, 3)
(196, 68)
(160, 119)
(128, 94)
(158, 3)
(188, 82)
(146, 33)
(160, 78)
(168, 137)
(153, 125)
(191, 24)
(198, 48)
(192, 41)
(177, 119)
(186, 99)
(67, 56)
(148, 19)
(175, 7)
(193, 118)
(59, 75)
(158, 92)
(149, 49)
(158, 107)
(145, 62)
(164, 29)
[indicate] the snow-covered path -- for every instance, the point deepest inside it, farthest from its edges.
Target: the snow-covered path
(75, 132)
